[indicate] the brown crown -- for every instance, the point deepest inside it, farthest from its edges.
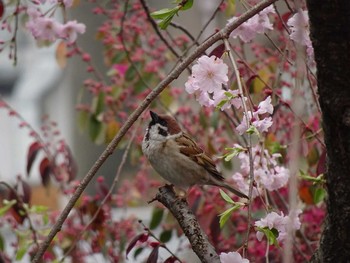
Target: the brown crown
(173, 126)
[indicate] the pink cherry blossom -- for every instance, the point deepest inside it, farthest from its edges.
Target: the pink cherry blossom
(263, 125)
(273, 179)
(257, 24)
(70, 30)
(232, 257)
(244, 125)
(208, 76)
(268, 173)
(205, 100)
(265, 106)
(280, 223)
(299, 26)
(210, 73)
(191, 85)
(68, 3)
(48, 29)
(43, 28)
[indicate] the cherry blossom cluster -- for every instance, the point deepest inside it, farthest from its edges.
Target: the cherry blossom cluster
(208, 76)
(267, 173)
(258, 24)
(279, 222)
(254, 119)
(47, 28)
(299, 26)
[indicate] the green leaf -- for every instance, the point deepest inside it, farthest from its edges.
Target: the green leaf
(39, 209)
(229, 95)
(2, 243)
(45, 218)
(221, 103)
(226, 197)
(22, 251)
(252, 130)
(83, 120)
(233, 152)
(165, 236)
(187, 5)
(138, 252)
(95, 128)
(130, 74)
(7, 206)
(98, 103)
(166, 21)
(319, 195)
(226, 215)
(163, 13)
(276, 147)
(157, 217)
(271, 235)
(316, 180)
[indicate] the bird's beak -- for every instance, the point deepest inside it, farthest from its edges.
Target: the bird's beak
(154, 116)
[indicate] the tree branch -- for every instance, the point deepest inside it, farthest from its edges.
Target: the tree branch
(174, 74)
(188, 223)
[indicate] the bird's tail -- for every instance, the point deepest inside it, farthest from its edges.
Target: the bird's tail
(235, 191)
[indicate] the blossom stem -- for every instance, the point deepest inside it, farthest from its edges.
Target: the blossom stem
(249, 142)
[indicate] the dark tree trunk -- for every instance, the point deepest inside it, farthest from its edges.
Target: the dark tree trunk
(330, 34)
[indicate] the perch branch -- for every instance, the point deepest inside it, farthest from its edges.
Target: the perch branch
(188, 223)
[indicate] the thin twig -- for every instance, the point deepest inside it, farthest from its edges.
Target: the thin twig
(249, 142)
(174, 74)
(211, 18)
(185, 31)
(14, 38)
(149, 231)
(26, 214)
(111, 189)
(156, 28)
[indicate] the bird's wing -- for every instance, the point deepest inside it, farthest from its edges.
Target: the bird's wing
(189, 148)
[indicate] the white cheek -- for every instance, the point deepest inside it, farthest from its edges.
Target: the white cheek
(154, 133)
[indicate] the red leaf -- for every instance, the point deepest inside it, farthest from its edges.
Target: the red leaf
(72, 165)
(22, 194)
(321, 165)
(45, 171)
(32, 153)
(306, 195)
(2, 9)
(153, 257)
(218, 51)
(143, 237)
(250, 80)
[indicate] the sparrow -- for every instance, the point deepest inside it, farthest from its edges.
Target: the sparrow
(177, 158)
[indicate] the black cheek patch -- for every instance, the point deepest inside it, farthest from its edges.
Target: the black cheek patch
(162, 132)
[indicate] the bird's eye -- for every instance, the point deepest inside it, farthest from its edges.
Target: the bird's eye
(162, 131)
(163, 122)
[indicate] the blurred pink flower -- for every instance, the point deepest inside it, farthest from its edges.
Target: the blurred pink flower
(265, 106)
(232, 257)
(299, 26)
(70, 30)
(258, 24)
(43, 28)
